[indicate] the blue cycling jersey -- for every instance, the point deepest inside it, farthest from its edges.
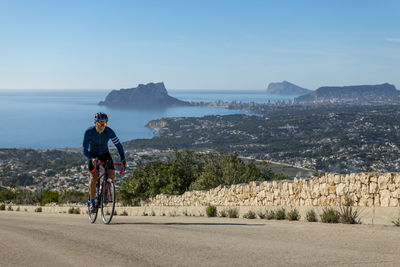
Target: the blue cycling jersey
(95, 143)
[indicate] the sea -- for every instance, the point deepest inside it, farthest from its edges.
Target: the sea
(46, 119)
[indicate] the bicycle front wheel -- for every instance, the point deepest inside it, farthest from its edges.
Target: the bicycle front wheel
(107, 202)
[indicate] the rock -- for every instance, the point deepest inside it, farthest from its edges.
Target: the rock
(385, 198)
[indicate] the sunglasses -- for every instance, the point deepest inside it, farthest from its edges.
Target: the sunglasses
(101, 123)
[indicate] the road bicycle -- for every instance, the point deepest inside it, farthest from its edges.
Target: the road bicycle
(105, 194)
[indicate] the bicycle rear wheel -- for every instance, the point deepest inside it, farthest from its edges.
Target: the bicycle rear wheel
(93, 216)
(107, 201)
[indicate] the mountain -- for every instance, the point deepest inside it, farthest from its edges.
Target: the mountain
(380, 93)
(286, 88)
(145, 96)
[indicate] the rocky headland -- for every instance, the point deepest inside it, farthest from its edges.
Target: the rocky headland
(145, 96)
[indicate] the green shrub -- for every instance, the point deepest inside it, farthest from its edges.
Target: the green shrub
(18, 209)
(223, 213)
(10, 208)
(311, 216)
(330, 215)
(39, 209)
(262, 215)
(211, 211)
(249, 215)
(124, 213)
(49, 197)
(233, 213)
(2, 207)
(293, 215)
(74, 210)
(270, 214)
(280, 214)
(349, 214)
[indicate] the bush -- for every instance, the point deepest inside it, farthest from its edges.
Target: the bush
(311, 216)
(270, 215)
(74, 210)
(124, 213)
(222, 213)
(49, 197)
(261, 215)
(348, 214)
(2, 207)
(280, 214)
(211, 211)
(39, 209)
(233, 213)
(330, 215)
(250, 215)
(10, 208)
(18, 209)
(293, 215)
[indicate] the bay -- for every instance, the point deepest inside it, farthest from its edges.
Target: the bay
(58, 118)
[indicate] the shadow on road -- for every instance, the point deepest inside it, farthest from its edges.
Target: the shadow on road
(178, 223)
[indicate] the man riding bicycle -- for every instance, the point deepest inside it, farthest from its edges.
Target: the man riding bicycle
(95, 148)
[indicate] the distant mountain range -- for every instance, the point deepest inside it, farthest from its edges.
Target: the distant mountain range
(380, 93)
(145, 96)
(286, 88)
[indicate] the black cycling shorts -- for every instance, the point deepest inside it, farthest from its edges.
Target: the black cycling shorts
(102, 157)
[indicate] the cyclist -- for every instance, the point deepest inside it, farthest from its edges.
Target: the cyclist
(95, 148)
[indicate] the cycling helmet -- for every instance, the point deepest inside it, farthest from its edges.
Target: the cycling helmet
(100, 117)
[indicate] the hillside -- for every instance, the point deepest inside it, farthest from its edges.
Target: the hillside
(286, 88)
(380, 93)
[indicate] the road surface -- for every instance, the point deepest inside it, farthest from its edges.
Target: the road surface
(39, 239)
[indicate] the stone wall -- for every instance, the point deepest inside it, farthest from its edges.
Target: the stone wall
(364, 189)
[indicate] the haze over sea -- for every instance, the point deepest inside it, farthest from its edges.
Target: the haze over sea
(58, 118)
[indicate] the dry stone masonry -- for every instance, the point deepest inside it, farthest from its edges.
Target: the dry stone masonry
(364, 189)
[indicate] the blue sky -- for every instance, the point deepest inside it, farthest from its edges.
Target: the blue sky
(198, 44)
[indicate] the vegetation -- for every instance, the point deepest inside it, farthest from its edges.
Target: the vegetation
(223, 213)
(261, 215)
(349, 214)
(330, 215)
(211, 211)
(2, 207)
(10, 208)
(233, 213)
(396, 222)
(280, 214)
(74, 210)
(249, 215)
(311, 216)
(49, 197)
(124, 213)
(270, 214)
(39, 209)
(293, 215)
(188, 170)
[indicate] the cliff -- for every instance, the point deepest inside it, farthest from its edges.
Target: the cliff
(286, 88)
(380, 93)
(145, 96)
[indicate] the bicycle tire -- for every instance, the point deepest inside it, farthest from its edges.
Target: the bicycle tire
(107, 202)
(93, 216)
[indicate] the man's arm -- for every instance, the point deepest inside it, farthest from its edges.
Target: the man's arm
(118, 145)
(85, 146)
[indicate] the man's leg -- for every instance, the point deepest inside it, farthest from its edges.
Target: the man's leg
(92, 184)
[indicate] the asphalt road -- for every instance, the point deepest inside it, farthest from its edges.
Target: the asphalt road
(38, 239)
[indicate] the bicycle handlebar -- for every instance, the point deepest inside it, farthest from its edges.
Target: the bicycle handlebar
(102, 163)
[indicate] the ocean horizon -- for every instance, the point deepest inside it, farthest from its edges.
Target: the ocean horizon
(46, 119)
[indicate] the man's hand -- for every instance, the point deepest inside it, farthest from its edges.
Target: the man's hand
(94, 162)
(124, 163)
